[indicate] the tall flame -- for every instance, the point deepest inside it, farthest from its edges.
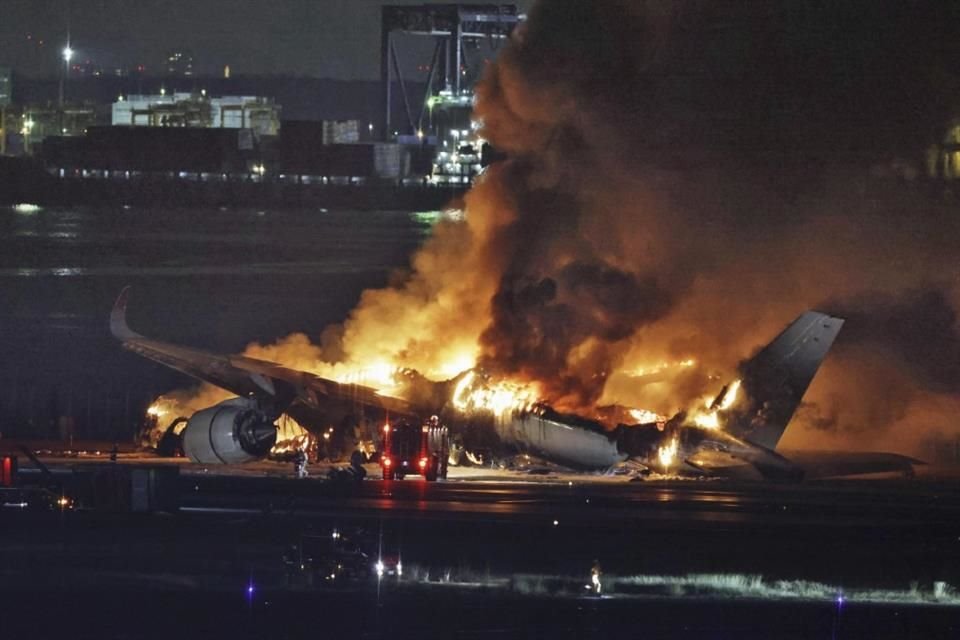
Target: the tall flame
(473, 393)
(710, 418)
(668, 454)
(643, 416)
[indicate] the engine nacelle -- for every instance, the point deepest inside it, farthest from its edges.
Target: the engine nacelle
(231, 432)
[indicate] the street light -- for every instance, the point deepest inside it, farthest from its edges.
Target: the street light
(67, 57)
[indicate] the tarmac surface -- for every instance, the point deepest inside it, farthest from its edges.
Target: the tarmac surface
(489, 553)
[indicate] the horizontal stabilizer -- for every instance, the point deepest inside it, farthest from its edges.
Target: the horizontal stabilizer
(832, 464)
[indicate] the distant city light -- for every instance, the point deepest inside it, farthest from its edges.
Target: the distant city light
(68, 53)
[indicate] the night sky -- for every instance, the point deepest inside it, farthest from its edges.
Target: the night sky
(322, 38)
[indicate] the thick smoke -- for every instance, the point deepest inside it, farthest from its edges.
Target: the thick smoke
(683, 179)
(917, 331)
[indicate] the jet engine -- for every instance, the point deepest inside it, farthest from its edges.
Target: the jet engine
(231, 432)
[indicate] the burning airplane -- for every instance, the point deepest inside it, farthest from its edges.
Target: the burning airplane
(740, 427)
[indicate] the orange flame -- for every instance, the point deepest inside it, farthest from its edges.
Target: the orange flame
(668, 454)
(711, 418)
(473, 393)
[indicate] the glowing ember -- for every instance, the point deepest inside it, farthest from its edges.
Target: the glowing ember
(455, 366)
(730, 396)
(642, 416)
(668, 454)
(160, 415)
(379, 374)
(663, 366)
(710, 417)
(291, 436)
(707, 420)
(473, 393)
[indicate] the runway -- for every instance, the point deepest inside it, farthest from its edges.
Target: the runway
(871, 531)
(503, 554)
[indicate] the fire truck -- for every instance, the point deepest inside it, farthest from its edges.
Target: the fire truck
(410, 449)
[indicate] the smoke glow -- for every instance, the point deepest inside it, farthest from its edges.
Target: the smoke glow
(640, 240)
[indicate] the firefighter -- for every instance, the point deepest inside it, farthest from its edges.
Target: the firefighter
(356, 465)
(595, 574)
(300, 464)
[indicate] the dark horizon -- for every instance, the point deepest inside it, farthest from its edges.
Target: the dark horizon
(336, 39)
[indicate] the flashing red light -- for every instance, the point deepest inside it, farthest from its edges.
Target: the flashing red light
(387, 462)
(423, 463)
(7, 472)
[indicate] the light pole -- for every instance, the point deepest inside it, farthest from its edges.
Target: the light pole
(25, 132)
(67, 57)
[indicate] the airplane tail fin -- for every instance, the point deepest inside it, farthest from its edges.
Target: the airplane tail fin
(774, 380)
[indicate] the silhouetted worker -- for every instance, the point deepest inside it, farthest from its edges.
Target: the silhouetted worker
(300, 464)
(357, 458)
(356, 465)
(595, 574)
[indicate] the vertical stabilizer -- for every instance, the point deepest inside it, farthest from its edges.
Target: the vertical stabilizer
(775, 379)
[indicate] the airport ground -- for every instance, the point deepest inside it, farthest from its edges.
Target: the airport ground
(492, 554)
(482, 554)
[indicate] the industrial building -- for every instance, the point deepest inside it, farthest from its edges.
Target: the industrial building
(260, 115)
(39, 123)
(434, 143)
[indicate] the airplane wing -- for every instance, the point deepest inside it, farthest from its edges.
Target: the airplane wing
(248, 377)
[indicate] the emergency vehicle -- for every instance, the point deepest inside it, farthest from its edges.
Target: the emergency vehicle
(410, 449)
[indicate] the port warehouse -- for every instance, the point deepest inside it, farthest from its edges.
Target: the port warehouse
(298, 154)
